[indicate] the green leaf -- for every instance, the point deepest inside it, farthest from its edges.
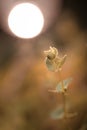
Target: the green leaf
(66, 83)
(59, 87)
(58, 113)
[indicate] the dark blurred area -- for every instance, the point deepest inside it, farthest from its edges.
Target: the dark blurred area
(25, 103)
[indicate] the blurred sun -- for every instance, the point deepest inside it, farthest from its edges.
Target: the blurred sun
(26, 20)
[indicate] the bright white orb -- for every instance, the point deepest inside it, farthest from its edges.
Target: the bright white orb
(26, 20)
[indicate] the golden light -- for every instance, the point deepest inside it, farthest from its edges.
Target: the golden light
(26, 20)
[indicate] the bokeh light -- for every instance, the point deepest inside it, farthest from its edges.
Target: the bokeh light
(26, 20)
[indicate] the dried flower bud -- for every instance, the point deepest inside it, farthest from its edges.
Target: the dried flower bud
(53, 62)
(52, 53)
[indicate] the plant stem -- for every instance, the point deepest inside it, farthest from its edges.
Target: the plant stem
(64, 96)
(64, 103)
(61, 81)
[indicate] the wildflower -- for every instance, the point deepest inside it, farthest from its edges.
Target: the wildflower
(53, 61)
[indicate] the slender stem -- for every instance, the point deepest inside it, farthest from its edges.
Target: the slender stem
(61, 81)
(64, 100)
(64, 95)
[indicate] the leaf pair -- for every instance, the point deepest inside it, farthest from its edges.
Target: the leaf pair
(66, 83)
(58, 113)
(59, 86)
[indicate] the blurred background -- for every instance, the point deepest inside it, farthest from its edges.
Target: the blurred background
(25, 103)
